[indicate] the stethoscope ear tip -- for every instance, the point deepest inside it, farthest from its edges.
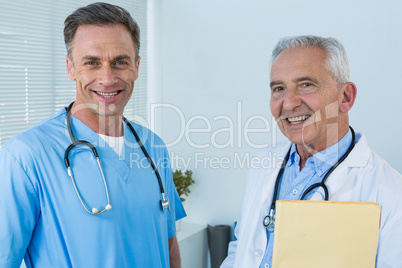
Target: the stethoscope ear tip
(95, 210)
(108, 207)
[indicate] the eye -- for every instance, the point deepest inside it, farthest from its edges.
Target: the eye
(307, 84)
(277, 89)
(90, 63)
(120, 62)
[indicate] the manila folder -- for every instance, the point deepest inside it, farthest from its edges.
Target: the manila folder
(325, 234)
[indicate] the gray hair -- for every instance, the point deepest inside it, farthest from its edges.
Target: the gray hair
(101, 14)
(337, 61)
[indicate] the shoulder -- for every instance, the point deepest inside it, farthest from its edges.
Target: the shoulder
(387, 181)
(147, 136)
(379, 180)
(32, 141)
(36, 146)
(153, 144)
(362, 156)
(382, 184)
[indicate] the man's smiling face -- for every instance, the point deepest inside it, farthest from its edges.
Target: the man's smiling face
(104, 67)
(304, 97)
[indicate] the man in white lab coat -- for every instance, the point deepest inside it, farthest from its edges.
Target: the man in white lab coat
(311, 96)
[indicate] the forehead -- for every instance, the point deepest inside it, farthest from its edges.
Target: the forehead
(102, 37)
(302, 60)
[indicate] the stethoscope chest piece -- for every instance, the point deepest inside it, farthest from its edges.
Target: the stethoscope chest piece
(269, 221)
(165, 204)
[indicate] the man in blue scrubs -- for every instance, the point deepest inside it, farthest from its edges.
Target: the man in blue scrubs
(42, 218)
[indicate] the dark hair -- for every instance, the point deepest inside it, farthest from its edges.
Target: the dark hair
(100, 14)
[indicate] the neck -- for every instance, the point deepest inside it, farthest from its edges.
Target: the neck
(304, 155)
(305, 151)
(106, 125)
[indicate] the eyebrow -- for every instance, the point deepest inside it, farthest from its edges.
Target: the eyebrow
(305, 78)
(274, 83)
(96, 58)
(299, 79)
(122, 57)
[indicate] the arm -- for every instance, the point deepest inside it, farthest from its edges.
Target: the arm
(230, 259)
(176, 206)
(174, 253)
(389, 247)
(389, 198)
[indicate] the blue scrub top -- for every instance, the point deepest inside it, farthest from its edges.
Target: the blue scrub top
(42, 218)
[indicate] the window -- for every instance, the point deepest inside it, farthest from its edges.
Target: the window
(34, 82)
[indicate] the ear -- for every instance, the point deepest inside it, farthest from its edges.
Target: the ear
(348, 97)
(70, 68)
(137, 63)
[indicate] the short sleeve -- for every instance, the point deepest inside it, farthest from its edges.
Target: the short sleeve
(176, 206)
(19, 210)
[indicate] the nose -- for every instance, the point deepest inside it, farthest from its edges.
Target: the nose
(107, 76)
(291, 100)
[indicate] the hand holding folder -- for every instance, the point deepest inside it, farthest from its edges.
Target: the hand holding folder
(326, 234)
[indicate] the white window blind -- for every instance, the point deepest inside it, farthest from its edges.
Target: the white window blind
(33, 76)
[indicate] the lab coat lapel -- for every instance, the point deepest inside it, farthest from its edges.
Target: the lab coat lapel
(262, 182)
(358, 157)
(269, 178)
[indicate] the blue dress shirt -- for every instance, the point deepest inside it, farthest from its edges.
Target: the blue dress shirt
(295, 181)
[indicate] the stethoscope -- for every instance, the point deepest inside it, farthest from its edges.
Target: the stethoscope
(164, 199)
(269, 220)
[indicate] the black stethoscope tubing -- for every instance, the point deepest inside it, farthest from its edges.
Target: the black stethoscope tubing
(137, 138)
(164, 201)
(270, 219)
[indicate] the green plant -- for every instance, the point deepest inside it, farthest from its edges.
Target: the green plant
(183, 182)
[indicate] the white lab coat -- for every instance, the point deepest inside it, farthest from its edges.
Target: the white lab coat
(363, 176)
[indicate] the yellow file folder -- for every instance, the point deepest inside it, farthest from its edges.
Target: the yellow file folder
(318, 234)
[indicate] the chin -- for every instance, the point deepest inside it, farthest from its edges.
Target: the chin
(109, 113)
(105, 109)
(303, 138)
(294, 136)
(296, 140)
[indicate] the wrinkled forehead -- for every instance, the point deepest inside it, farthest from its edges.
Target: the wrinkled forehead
(299, 58)
(92, 34)
(298, 53)
(95, 37)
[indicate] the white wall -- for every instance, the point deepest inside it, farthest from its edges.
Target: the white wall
(212, 55)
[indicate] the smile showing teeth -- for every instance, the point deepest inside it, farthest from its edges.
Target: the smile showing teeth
(297, 119)
(107, 95)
